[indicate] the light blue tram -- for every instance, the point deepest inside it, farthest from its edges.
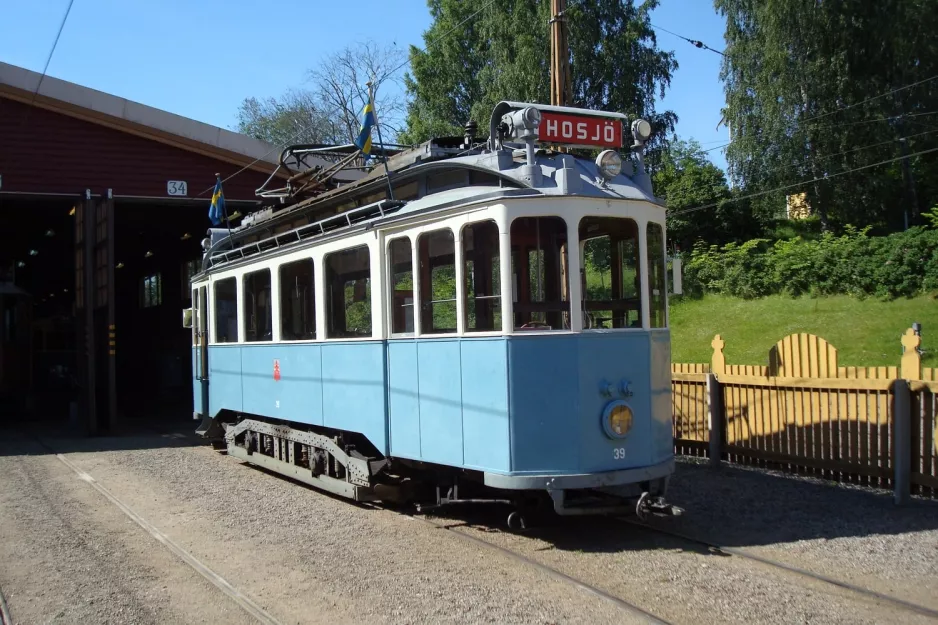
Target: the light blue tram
(479, 321)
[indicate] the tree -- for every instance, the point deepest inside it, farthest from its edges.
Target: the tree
(331, 112)
(295, 117)
(686, 179)
(341, 84)
(817, 88)
(472, 62)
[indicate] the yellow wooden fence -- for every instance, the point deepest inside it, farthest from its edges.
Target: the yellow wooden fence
(806, 413)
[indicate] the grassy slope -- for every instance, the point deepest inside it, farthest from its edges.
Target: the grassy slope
(865, 332)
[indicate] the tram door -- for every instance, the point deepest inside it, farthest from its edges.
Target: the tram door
(200, 343)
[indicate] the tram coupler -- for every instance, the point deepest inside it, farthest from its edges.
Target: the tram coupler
(655, 506)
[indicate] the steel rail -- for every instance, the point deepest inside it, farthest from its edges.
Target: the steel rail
(5, 617)
(245, 602)
(744, 554)
(624, 605)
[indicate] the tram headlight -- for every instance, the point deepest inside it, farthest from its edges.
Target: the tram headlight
(617, 419)
(609, 163)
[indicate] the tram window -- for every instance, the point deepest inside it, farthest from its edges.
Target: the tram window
(483, 277)
(258, 309)
(401, 268)
(407, 191)
(610, 276)
(437, 282)
(348, 293)
(226, 311)
(657, 277)
(539, 273)
(446, 180)
(482, 179)
(297, 301)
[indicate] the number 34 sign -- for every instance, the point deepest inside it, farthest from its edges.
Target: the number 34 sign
(176, 187)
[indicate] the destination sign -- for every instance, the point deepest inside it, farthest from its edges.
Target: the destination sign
(580, 130)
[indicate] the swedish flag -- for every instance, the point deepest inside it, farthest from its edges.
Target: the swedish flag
(363, 141)
(217, 208)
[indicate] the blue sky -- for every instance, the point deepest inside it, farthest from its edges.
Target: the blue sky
(201, 58)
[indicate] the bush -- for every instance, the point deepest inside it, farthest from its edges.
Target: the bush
(904, 264)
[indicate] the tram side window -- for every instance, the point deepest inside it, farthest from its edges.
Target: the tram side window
(437, 282)
(401, 269)
(348, 293)
(483, 277)
(610, 275)
(297, 301)
(657, 277)
(539, 273)
(226, 311)
(258, 309)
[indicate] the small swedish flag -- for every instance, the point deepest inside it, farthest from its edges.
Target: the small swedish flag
(217, 208)
(363, 141)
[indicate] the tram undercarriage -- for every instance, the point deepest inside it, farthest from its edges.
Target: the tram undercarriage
(347, 465)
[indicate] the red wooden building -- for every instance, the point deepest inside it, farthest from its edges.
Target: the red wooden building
(103, 204)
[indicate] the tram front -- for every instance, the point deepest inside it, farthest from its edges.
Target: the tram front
(589, 373)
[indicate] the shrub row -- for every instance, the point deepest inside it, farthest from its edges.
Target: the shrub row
(903, 264)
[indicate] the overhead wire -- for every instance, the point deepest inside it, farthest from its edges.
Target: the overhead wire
(305, 128)
(54, 46)
(800, 183)
(875, 97)
(694, 42)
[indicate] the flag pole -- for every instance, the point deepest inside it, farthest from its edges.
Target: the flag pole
(224, 206)
(374, 111)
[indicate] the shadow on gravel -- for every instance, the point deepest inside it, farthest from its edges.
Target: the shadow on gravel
(730, 507)
(737, 507)
(39, 436)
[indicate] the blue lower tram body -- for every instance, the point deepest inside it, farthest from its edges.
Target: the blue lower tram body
(525, 411)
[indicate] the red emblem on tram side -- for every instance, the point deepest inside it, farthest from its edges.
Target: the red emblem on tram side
(580, 130)
(277, 370)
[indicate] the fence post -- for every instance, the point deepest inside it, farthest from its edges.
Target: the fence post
(911, 368)
(715, 418)
(902, 438)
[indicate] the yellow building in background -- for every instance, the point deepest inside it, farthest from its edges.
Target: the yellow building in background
(796, 206)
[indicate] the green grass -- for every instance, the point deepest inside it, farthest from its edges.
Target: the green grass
(865, 332)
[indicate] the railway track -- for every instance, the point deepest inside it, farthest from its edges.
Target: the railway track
(232, 592)
(627, 606)
(788, 568)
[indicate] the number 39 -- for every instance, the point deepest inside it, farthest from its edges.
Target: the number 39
(618, 453)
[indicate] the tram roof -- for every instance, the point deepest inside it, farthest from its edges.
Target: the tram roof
(493, 170)
(560, 175)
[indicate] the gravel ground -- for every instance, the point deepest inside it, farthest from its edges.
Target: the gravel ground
(68, 556)
(308, 557)
(852, 533)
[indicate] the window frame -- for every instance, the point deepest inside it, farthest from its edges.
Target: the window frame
(454, 231)
(213, 308)
(664, 264)
(259, 269)
(389, 286)
(278, 320)
(147, 302)
(322, 256)
(508, 313)
(640, 228)
(463, 293)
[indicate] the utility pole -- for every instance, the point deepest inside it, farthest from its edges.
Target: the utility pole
(911, 198)
(560, 82)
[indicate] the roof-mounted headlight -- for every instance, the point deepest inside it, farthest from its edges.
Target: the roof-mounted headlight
(609, 163)
(522, 123)
(641, 130)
